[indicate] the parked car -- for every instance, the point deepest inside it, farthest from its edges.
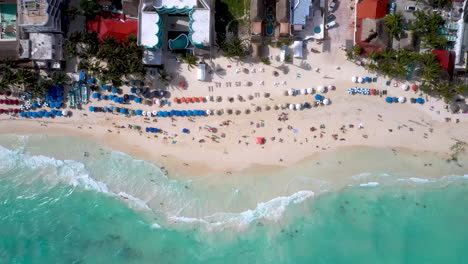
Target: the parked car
(330, 25)
(332, 6)
(330, 18)
(411, 9)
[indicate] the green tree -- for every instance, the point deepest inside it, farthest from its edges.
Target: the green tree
(163, 76)
(60, 77)
(357, 50)
(440, 3)
(434, 41)
(234, 47)
(190, 60)
(266, 61)
(393, 24)
(90, 8)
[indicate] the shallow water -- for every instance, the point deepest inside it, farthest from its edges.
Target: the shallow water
(61, 206)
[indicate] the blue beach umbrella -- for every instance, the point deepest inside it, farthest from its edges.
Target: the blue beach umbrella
(114, 90)
(318, 97)
(121, 99)
(137, 100)
(185, 130)
(368, 79)
(103, 97)
(133, 90)
(183, 113)
(22, 114)
(105, 86)
(420, 100)
(173, 112)
(59, 113)
(395, 99)
(116, 99)
(91, 108)
(111, 97)
(147, 129)
(131, 97)
(91, 80)
(388, 99)
(95, 95)
(155, 130)
(47, 114)
(202, 112)
(189, 113)
(35, 105)
(123, 111)
(139, 112)
(195, 112)
(41, 113)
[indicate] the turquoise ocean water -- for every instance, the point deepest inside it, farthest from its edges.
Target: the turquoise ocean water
(107, 207)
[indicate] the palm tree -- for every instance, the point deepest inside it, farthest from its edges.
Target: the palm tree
(60, 77)
(393, 24)
(163, 76)
(190, 60)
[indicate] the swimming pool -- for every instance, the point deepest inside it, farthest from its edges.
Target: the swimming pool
(8, 16)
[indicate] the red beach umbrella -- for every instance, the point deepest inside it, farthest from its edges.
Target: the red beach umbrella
(16, 102)
(196, 99)
(202, 99)
(260, 140)
(16, 111)
(2, 111)
(10, 110)
(176, 100)
(182, 100)
(8, 93)
(7, 101)
(188, 100)
(2, 101)
(372, 91)
(414, 87)
(182, 84)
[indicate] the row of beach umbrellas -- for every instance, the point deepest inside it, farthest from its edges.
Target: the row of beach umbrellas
(152, 130)
(361, 79)
(402, 99)
(10, 101)
(191, 99)
(364, 91)
(40, 114)
(406, 87)
(9, 110)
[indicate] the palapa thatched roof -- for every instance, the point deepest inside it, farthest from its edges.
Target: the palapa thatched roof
(257, 10)
(282, 11)
(373, 32)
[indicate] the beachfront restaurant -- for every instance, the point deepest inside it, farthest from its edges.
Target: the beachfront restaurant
(169, 26)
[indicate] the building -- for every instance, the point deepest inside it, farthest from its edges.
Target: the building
(8, 30)
(300, 11)
(40, 15)
(257, 13)
(446, 60)
(369, 26)
(283, 17)
(167, 25)
(114, 25)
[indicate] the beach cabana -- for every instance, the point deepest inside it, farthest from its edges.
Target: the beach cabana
(420, 100)
(405, 87)
(91, 108)
(318, 97)
(401, 99)
(260, 140)
(326, 101)
(388, 99)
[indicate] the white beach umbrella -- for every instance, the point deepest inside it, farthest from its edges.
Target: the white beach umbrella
(310, 90)
(304, 91)
(326, 101)
(143, 113)
(405, 87)
(284, 106)
(149, 113)
(401, 99)
(298, 106)
(361, 80)
(354, 79)
(321, 89)
(291, 92)
(291, 106)
(155, 112)
(208, 98)
(208, 112)
(65, 112)
(331, 87)
(157, 102)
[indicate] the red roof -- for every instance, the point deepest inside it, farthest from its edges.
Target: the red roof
(115, 25)
(372, 9)
(446, 60)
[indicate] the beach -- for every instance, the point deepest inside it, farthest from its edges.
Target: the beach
(349, 121)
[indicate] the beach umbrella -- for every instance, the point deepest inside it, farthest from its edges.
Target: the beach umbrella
(266, 95)
(291, 106)
(239, 97)
(360, 80)
(260, 140)
(219, 112)
(115, 109)
(267, 107)
(276, 107)
(209, 98)
(195, 99)
(326, 101)
(258, 109)
(173, 112)
(414, 87)
(283, 106)
(121, 99)
(388, 99)
(247, 111)
(8, 93)
(304, 91)
(196, 112)
(116, 99)
(22, 114)
(354, 79)
(155, 113)
(310, 90)
(373, 91)
(202, 99)
(401, 99)
(298, 106)
(137, 100)
(208, 112)
(395, 99)
(91, 108)
(176, 100)
(368, 79)
(149, 113)
(47, 114)
(148, 129)
(185, 130)
(95, 95)
(139, 112)
(331, 87)
(405, 87)
(133, 90)
(64, 112)
(111, 97)
(420, 100)
(183, 113)
(2, 101)
(103, 97)
(250, 97)
(123, 111)
(143, 113)
(291, 92)
(114, 90)
(318, 97)
(91, 80)
(131, 112)
(321, 89)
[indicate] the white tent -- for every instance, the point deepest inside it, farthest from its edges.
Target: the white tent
(321, 89)
(297, 47)
(405, 87)
(310, 90)
(291, 92)
(298, 106)
(354, 79)
(326, 101)
(360, 80)
(401, 99)
(291, 106)
(201, 72)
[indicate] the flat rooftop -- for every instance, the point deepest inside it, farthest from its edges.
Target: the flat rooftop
(175, 3)
(8, 21)
(300, 10)
(149, 29)
(33, 12)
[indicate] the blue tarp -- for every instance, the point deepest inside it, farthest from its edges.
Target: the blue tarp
(91, 108)
(388, 100)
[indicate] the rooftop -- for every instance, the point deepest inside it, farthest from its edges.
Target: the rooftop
(8, 19)
(177, 4)
(372, 8)
(300, 11)
(46, 46)
(33, 12)
(116, 25)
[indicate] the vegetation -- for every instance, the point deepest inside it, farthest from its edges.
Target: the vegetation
(122, 58)
(191, 60)
(265, 61)
(234, 47)
(28, 80)
(393, 24)
(163, 76)
(440, 3)
(90, 8)
(235, 7)
(426, 26)
(357, 50)
(287, 58)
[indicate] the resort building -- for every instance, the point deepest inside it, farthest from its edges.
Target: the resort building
(370, 31)
(446, 60)
(8, 27)
(300, 11)
(40, 15)
(167, 25)
(114, 25)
